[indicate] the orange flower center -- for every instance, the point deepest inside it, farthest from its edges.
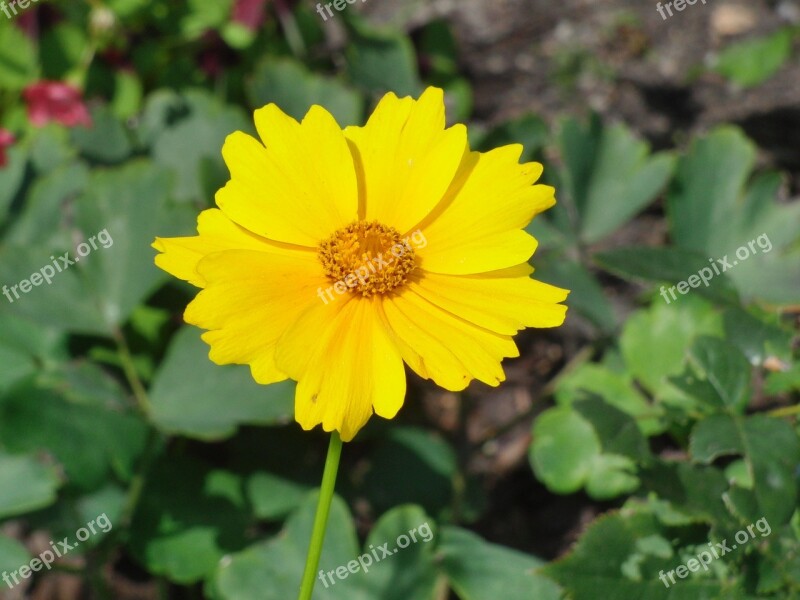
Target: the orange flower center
(368, 258)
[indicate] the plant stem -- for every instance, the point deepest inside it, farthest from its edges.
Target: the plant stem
(785, 411)
(321, 520)
(129, 368)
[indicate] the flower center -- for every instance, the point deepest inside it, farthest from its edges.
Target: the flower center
(367, 257)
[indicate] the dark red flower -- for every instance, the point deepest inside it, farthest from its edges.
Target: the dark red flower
(250, 13)
(6, 139)
(55, 101)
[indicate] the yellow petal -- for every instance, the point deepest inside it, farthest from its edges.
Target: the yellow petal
(345, 364)
(503, 302)
(452, 351)
(477, 227)
(406, 158)
(300, 188)
(251, 298)
(216, 232)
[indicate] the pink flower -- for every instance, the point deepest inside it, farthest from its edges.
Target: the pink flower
(6, 139)
(250, 13)
(55, 101)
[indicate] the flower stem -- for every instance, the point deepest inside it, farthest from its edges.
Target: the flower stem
(321, 520)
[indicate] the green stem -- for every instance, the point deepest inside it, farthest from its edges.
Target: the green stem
(321, 520)
(129, 369)
(785, 411)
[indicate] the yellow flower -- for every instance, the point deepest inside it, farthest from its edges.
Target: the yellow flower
(337, 255)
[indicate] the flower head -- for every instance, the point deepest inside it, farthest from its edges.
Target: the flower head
(336, 256)
(55, 101)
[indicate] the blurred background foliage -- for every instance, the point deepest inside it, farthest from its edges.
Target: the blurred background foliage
(622, 444)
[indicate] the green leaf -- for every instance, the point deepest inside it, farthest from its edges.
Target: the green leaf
(609, 175)
(92, 442)
(419, 558)
(616, 389)
(238, 36)
(586, 294)
(617, 559)
(128, 91)
(108, 269)
(708, 183)
(12, 555)
(654, 342)
(610, 476)
(617, 430)
(11, 178)
(778, 568)
(128, 8)
(564, 449)
(18, 66)
(723, 372)
(671, 265)
(409, 450)
(188, 389)
(26, 348)
(190, 516)
(295, 89)
(274, 497)
(410, 572)
(438, 46)
(783, 381)
(202, 16)
(191, 144)
(44, 204)
(382, 60)
(694, 493)
(272, 570)
(103, 508)
(26, 484)
(130, 205)
(752, 236)
(754, 61)
(106, 141)
(50, 148)
(758, 336)
(62, 47)
(478, 570)
(772, 451)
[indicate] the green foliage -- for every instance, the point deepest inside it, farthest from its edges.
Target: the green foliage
(608, 176)
(291, 86)
(751, 62)
(188, 388)
(27, 484)
(380, 61)
(716, 207)
(440, 556)
(18, 65)
(674, 416)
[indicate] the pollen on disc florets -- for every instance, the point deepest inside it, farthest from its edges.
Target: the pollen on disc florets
(368, 258)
